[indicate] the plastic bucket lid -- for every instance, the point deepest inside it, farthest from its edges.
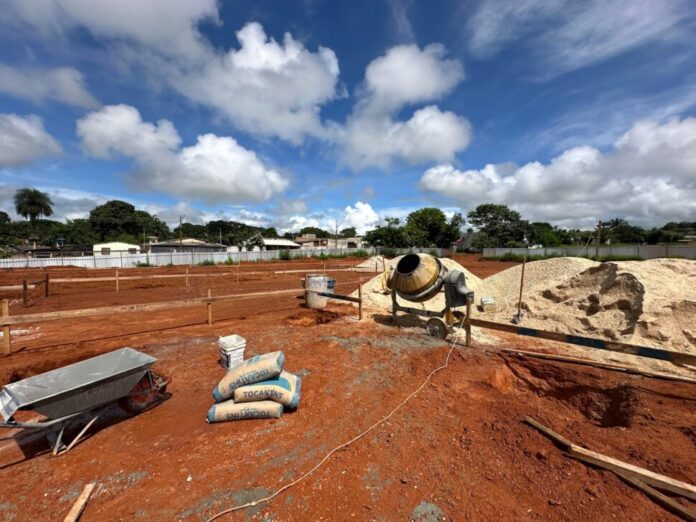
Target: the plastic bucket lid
(232, 342)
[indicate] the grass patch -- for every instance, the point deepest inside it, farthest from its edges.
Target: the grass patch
(207, 262)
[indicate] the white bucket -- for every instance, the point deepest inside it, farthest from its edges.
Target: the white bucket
(231, 351)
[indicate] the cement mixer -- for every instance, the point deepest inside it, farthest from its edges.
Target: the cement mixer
(419, 278)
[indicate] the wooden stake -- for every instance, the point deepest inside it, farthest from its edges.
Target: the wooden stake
(6, 346)
(238, 273)
(324, 267)
(467, 327)
(117, 282)
(519, 302)
(187, 280)
(46, 286)
(210, 308)
(360, 304)
(24, 292)
(80, 503)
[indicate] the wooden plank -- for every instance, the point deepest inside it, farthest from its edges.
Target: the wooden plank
(597, 364)
(79, 505)
(209, 306)
(619, 467)
(666, 502)
(557, 438)
(6, 343)
(145, 307)
(24, 293)
(656, 480)
(589, 342)
(117, 281)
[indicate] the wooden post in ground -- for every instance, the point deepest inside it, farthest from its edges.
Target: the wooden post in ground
(24, 292)
(324, 267)
(187, 280)
(6, 346)
(46, 286)
(360, 309)
(117, 282)
(467, 327)
(238, 273)
(210, 308)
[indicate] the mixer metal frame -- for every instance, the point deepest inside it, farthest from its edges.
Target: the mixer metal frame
(439, 323)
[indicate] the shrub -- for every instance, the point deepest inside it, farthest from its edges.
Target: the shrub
(207, 262)
(284, 255)
(363, 254)
(143, 264)
(388, 252)
(229, 261)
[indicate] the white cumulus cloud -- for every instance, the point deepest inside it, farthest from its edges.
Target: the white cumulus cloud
(404, 76)
(265, 87)
(216, 169)
(23, 140)
(62, 84)
(649, 176)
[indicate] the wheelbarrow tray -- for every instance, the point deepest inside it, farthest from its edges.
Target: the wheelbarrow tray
(77, 387)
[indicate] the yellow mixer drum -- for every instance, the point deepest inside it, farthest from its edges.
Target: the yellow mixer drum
(418, 277)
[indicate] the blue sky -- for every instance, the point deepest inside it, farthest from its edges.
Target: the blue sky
(314, 112)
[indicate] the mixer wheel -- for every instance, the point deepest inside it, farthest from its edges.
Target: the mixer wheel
(437, 327)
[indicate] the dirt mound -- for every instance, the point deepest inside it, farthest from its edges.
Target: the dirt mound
(642, 302)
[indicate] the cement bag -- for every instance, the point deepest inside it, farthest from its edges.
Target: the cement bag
(284, 389)
(229, 411)
(259, 368)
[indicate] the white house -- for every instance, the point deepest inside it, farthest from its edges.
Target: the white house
(279, 244)
(114, 247)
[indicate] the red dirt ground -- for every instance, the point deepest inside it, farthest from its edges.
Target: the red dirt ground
(457, 451)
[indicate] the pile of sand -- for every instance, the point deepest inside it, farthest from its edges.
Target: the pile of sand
(373, 264)
(649, 303)
(505, 286)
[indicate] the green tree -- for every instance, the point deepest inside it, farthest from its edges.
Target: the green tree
(389, 237)
(392, 221)
(149, 225)
(114, 219)
(348, 232)
(498, 226)
(4, 217)
(270, 233)
(429, 227)
(32, 204)
(541, 233)
(318, 232)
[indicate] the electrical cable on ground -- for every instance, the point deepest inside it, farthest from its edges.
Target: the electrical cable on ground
(348, 443)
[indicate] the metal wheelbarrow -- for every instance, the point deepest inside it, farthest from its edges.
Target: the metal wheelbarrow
(63, 394)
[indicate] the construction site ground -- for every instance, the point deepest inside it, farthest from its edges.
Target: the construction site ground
(457, 451)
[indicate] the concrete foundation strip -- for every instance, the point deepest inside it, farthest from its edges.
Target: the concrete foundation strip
(623, 469)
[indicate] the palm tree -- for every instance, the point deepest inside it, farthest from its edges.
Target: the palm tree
(32, 203)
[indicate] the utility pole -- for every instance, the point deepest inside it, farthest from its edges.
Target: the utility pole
(181, 239)
(599, 239)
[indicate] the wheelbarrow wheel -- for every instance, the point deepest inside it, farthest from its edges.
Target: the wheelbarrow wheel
(145, 394)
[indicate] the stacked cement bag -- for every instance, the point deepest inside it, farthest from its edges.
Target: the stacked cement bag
(257, 389)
